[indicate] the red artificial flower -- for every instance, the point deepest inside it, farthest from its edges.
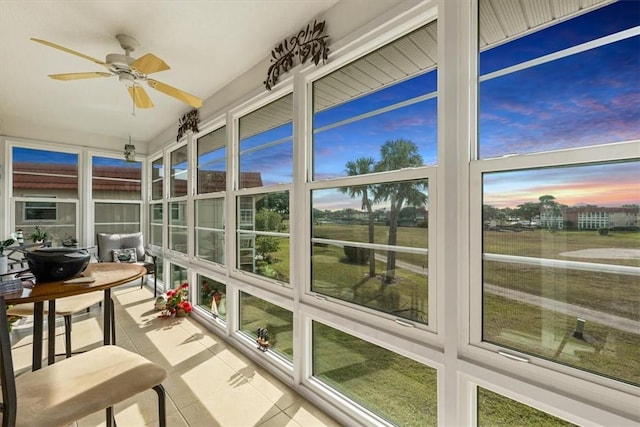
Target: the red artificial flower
(185, 285)
(186, 306)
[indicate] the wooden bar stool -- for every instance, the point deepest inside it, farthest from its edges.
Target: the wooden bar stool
(66, 307)
(69, 390)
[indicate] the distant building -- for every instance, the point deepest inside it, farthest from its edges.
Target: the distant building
(595, 217)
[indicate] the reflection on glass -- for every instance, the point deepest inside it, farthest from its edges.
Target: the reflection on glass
(155, 224)
(178, 226)
(210, 238)
(561, 265)
(263, 239)
(396, 388)
(44, 173)
(57, 218)
(178, 276)
(391, 277)
(495, 410)
(116, 179)
(212, 296)
(266, 145)
(387, 95)
(257, 313)
(157, 179)
(179, 172)
(583, 97)
(116, 217)
(212, 162)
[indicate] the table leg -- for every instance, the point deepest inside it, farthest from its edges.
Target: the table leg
(36, 357)
(107, 309)
(51, 333)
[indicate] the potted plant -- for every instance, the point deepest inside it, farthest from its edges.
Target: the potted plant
(3, 258)
(39, 234)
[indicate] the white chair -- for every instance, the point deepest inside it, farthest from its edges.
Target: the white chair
(60, 394)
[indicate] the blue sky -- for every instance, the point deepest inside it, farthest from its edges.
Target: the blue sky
(587, 99)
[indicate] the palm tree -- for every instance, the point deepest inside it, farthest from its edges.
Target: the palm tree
(395, 155)
(361, 166)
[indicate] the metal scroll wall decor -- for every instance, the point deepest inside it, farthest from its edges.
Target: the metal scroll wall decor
(308, 43)
(188, 122)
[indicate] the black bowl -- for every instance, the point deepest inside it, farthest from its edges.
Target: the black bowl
(54, 264)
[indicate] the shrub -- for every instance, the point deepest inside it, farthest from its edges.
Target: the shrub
(357, 255)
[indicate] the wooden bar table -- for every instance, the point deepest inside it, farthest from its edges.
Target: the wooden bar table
(106, 275)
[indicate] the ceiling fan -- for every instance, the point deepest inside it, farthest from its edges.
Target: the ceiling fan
(129, 70)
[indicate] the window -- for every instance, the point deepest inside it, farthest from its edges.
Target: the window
(396, 388)
(209, 205)
(265, 163)
(375, 132)
(178, 226)
(116, 217)
(116, 179)
(496, 410)
(388, 95)
(372, 251)
(178, 178)
(557, 287)
(212, 162)
(40, 211)
(266, 145)
(155, 224)
(209, 236)
(212, 296)
(559, 225)
(553, 89)
(263, 238)
(256, 313)
(157, 179)
(45, 192)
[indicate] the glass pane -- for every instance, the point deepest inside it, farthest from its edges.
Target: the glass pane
(116, 179)
(396, 213)
(561, 269)
(266, 145)
(157, 179)
(495, 410)
(117, 217)
(44, 173)
(155, 221)
(580, 99)
(212, 296)
(57, 219)
(394, 387)
(386, 97)
(179, 172)
(209, 232)
(257, 313)
(352, 274)
(178, 276)
(178, 226)
(212, 162)
(264, 254)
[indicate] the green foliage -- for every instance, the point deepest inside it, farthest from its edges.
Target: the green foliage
(357, 255)
(4, 244)
(268, 220)
(266, 245)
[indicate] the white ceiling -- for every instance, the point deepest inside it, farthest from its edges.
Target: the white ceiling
(207, 44)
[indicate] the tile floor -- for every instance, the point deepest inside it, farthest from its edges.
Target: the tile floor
(209, 384)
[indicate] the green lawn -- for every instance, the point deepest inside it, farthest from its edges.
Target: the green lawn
(367, 373)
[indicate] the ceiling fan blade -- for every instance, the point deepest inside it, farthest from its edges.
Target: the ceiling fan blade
(194, 101)
(73, 52)
(140, 97)
(149, 63)
(77, 76)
